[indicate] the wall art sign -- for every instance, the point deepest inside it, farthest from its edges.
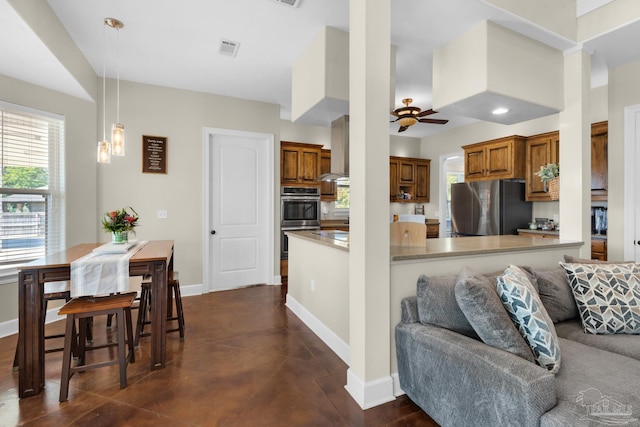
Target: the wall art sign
(154, 154)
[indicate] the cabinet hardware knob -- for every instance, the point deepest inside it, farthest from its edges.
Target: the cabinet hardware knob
(213, 232)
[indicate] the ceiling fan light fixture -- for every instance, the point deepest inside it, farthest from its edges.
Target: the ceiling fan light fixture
(407, 121)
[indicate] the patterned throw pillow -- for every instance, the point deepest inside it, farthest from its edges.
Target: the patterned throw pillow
(607, 295)
(523, 304)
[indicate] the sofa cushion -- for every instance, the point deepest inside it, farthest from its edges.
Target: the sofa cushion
(624, 344)
(556, 294)
(607, 295)
(437, 304)
(588, 377)
(529, 315)
(481, 305)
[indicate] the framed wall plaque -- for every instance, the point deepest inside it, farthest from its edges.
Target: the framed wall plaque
(154, 154)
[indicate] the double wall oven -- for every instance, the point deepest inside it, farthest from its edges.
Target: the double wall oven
(300, 209)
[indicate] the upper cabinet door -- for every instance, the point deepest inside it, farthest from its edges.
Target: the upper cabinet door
(474, 163)
(327, 189)
(599, 161)
(502, 158)
(299, 163)
(541, 150)
(289, 165)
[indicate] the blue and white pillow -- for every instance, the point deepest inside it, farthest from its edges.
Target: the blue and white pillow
(523, 304)
(607, 295)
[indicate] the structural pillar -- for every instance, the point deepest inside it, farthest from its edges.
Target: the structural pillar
(575, 151)
(368, 378)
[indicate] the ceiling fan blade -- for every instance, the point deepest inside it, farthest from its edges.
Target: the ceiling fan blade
(426, 113)
(393, 121)
(433, 121)
(403, 128)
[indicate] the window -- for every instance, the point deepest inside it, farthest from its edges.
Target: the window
(342, 193)
(31, 186)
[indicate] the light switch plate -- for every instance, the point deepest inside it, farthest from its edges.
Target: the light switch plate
(162, 214)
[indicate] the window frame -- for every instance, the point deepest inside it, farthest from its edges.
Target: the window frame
(54, 208)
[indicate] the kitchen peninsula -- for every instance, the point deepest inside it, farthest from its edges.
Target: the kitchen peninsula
(318, 287)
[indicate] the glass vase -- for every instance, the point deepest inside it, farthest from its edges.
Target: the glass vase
(120, 237)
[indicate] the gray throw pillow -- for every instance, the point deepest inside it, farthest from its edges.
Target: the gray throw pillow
(437, 304)
(556, 294)
(481, 305)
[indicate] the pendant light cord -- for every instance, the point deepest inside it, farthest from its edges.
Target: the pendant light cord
(104, 83)
(117, 74)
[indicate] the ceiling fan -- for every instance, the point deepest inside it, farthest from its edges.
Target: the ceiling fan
(409, 116)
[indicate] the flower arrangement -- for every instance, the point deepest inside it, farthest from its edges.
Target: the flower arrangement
(548, 172)
(120, 220)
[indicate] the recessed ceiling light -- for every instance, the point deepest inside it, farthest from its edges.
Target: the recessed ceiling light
(500, 110)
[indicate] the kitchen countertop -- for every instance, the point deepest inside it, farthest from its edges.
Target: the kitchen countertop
(445, 247)
(557, 233)
(339, 222)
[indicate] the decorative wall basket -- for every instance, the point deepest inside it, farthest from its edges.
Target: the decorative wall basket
(554, 188)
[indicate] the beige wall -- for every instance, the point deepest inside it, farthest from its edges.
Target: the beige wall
(80, 166)
(180, 116)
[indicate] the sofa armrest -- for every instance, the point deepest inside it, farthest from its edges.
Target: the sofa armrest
(460, 381)
(409, 307)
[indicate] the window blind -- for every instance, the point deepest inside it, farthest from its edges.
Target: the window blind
(31, 186)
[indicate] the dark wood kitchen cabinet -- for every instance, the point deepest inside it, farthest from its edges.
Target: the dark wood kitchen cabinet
(599, 161)
(327, 188)
(408, 175)
(502, 158)
(299, 163)
(541, 150)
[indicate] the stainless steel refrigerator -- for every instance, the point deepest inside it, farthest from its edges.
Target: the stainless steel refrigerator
(487, 208)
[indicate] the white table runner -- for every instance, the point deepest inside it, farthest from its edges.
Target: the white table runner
(103, 271)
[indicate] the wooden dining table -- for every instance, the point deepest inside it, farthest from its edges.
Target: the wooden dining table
(154, 259)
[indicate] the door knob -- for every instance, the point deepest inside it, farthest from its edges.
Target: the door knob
(213, 232)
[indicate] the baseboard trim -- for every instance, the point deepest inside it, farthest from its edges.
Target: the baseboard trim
(335, 343)
(397, 391)
(190, 290)
(371, 393)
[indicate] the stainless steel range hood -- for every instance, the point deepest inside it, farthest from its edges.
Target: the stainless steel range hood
(339, 150)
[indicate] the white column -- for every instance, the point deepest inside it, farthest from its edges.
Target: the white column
(368, 378)
(575, 151)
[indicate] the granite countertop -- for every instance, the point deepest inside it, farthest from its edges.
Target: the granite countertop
(444, 247)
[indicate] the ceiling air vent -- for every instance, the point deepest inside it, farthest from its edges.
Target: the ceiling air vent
(292, 3)
(228, 47)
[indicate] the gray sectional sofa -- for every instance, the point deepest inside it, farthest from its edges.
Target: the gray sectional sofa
(461, 377)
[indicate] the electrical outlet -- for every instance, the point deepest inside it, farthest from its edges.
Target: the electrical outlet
(162, 214)
(556, 217)
(313, 285)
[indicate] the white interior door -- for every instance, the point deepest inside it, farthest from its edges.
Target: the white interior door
(632, 183)
(239, 210)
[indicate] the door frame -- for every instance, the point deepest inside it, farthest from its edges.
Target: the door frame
(631, 186)
(269, 139)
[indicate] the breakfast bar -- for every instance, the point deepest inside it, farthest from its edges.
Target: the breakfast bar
(318, 288)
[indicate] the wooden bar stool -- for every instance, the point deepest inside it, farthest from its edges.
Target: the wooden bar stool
(83, 309)
(52, 291)
(145, 302)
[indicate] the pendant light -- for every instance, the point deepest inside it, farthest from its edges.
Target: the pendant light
(104, 147)
(117, 129)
